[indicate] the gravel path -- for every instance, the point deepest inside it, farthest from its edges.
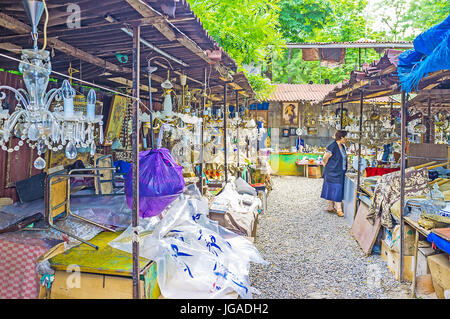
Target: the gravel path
(311, 252)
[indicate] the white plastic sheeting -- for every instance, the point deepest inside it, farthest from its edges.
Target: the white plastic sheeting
(196, 258)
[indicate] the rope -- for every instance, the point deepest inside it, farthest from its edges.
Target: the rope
(45, 25)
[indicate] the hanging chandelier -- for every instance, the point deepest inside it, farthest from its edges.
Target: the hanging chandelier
(32, 121)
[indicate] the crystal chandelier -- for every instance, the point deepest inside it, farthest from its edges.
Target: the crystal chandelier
(32, 120)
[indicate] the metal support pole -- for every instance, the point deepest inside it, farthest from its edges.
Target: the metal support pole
(404, 113)
(225, 114)
(361, 103)
(152, 135)
(428, 134)
(202, 132)
(135, 148)
(342, 111)
(237, 131)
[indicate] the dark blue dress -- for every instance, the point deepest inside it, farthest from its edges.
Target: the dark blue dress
(334, 174)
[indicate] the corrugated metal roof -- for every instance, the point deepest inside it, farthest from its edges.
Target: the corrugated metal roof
(300, 92)
(353, 44)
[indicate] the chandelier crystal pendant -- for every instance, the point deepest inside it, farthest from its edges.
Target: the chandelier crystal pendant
(32, 120)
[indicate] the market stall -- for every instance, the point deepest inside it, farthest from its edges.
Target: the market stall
(400, 211)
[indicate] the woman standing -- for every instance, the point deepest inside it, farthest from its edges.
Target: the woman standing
(335, 161)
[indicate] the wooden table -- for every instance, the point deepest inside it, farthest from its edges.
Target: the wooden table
(306, 167)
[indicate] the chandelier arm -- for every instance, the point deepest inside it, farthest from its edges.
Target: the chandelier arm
(17, 93)
(49, 96)
(12, 121)
(25, 94)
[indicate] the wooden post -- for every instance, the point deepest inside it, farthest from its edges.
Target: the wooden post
(135, 165)
(342, 111)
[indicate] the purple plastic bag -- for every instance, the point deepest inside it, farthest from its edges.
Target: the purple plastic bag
(160, 182)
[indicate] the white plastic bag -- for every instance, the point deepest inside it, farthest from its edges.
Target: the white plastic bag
(196, 258)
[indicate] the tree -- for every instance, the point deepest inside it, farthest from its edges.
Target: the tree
(300, 18)
(344, 21)
(248, 30)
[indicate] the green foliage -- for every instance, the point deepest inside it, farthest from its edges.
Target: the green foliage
(256, 31)
(248, 30)
(414, 17)
(300, 18)
(338, 21)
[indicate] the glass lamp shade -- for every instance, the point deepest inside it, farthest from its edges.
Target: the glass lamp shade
(90, 107)
(167, 85)
(167, 109)
(36, 69)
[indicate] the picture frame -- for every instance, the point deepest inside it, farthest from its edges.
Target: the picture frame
(117, 114)
(285, 132)
(293, 131)
(290, 114)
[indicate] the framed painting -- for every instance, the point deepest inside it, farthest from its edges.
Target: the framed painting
(290, 113)
(293, 131)
(59, 158)
(285, 132)
(117, 114)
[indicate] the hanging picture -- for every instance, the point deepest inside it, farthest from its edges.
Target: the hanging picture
(285, 132)
(293, 131)
(117, 114)
(290, 114)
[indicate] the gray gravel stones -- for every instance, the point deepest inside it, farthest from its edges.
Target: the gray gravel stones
(311, 252)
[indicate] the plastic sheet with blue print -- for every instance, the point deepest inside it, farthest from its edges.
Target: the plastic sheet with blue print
(196, 257)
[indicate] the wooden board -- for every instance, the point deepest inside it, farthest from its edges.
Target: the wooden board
(440, 273)
(105, 260)
(363, 232)
(58, 196)
(101, 185)
(442, 232)
(429, 152)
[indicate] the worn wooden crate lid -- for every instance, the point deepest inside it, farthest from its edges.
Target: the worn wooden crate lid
(106, 260)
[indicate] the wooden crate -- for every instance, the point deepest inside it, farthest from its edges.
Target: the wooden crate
(314, 172)
(103, 273)
(100, 286)
(440, 272)
(393, 262)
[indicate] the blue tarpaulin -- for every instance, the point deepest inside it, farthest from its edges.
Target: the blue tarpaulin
(431, 53)
(440, 242)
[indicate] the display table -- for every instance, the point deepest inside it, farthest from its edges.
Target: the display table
(284, 163)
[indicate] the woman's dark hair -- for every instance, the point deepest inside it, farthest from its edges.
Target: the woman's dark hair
(339, 135)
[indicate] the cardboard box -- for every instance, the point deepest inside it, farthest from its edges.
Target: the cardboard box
(393, 262)
(314, 172)
(422, 264)
(393, 240)
(440, 273)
